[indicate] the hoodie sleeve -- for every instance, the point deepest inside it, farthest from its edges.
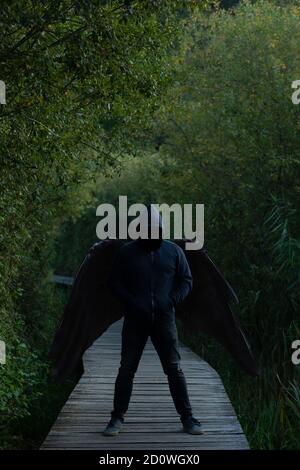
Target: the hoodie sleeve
(116, 280)
(183, 281)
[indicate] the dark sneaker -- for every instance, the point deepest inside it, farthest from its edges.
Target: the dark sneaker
(113, 428)
(192, 426)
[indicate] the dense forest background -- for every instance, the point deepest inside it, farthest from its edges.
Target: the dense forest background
(160, 101)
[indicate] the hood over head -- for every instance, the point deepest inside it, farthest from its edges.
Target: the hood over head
(154, 228)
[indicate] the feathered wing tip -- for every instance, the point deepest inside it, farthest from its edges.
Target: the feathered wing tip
(91, 309)
(207, 309)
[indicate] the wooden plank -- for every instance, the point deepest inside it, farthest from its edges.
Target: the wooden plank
(151, 422)
(68, 281)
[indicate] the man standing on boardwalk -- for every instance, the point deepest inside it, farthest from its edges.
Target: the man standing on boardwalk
(150, 277)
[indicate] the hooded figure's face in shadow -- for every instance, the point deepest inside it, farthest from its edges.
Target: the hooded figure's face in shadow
(150, 243)
(153, 242)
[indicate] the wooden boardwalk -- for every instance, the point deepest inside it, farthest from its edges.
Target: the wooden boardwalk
(151, 421)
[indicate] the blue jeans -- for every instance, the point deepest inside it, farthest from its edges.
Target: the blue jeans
(164, 337)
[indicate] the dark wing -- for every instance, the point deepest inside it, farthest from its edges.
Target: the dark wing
(91, 309)
(207, 308)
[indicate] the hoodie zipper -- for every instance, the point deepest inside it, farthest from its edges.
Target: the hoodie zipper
(152, 297)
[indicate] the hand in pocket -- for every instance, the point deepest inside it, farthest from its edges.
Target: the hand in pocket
(166, 304)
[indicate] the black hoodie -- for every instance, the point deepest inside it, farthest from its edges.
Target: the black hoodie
(150, 277)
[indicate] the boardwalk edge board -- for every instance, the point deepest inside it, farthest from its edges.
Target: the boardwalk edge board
(151, 421)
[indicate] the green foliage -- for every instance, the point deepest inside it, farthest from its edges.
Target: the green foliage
(101, 105)
(22, 375)
(228, 137)
(228, 3)
(80, 78)
(239, 132)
